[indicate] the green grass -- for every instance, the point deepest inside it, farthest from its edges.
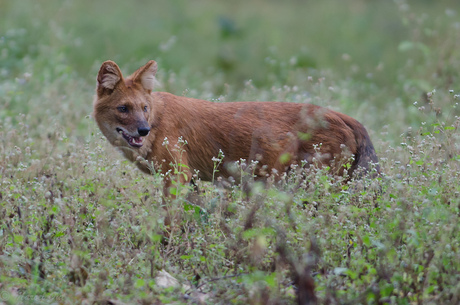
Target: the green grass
(80, 224)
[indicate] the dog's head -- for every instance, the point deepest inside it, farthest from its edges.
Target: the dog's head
(123, 107)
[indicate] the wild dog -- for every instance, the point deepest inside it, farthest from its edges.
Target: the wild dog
(137, 120)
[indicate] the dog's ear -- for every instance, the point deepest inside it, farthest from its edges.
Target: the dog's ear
(145, 76)
(108, 78)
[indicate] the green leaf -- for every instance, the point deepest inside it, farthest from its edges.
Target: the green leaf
(156, 237)
(353, 275)
(18, 239)
(430, 289)
(367, 241)
(248, 234)
(285, 158)
(59, 234)
(29, 252)
(405, 46)
(387, 290)
(182, 165)
(271, 280)
(370, 296)
(188, 207)
(304, 136)
(139, 283)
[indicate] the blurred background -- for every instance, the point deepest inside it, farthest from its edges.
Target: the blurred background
(373, 58)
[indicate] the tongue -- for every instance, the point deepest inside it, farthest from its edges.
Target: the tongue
(137, 140)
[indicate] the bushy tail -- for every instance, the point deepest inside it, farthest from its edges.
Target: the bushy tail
(366, 152)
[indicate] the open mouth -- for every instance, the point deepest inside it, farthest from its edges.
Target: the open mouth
(132, 141)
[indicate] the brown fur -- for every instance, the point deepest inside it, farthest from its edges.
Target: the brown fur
(274, 133)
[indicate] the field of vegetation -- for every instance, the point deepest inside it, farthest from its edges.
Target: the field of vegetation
(81, 225)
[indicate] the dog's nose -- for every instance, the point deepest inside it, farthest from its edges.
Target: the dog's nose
(143, 131)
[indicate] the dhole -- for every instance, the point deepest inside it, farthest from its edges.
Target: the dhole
(137, 120)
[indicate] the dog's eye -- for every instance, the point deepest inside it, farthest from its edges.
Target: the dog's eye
(122, 109)
(145, 108)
